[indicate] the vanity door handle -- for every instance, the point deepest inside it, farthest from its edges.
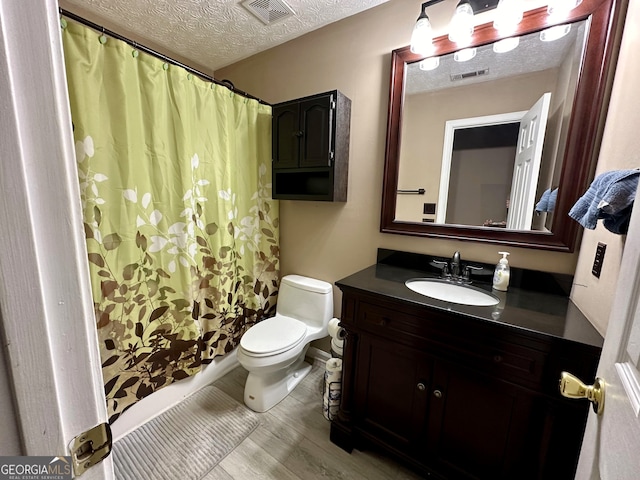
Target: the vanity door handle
(497, 358)
(383, 321)
(437, 393)
(421, 386)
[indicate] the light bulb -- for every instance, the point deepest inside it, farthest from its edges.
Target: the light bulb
(554, 33)
(464, 55)
(558, 9)
(506, 44)
(508, 16)
(461, 27)
(422, 36)
(430, 63)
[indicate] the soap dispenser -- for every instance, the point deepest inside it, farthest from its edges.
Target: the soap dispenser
(501, 274)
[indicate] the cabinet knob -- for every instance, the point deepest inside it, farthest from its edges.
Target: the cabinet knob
(497, 358)
(437, 393)
(384, 321)
(298, 134)
(421, 387)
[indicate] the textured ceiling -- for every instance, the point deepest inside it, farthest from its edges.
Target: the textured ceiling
(216, 33)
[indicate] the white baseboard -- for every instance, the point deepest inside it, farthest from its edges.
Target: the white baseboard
(318, 355)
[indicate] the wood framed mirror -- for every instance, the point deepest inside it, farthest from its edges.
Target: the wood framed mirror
(574, 127)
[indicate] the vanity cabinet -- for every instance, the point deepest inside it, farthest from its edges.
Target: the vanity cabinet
(310, 147)
(456, 397)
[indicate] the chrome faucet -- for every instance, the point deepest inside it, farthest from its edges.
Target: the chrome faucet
(455, 265)
(455, 271)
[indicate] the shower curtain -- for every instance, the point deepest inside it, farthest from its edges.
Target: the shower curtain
(181, 230)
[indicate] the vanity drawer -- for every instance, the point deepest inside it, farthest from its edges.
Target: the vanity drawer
(385, 321)
(507, 360)
(464, 342)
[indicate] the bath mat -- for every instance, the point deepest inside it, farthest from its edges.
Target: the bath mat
(186, 441)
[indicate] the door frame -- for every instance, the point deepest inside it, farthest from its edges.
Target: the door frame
(53, 361)
(450, 128)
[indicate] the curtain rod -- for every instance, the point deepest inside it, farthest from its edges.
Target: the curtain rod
(99, 28)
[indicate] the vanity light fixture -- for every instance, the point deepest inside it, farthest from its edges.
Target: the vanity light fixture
(464, 55)
(461, 26)
(422, 35)
(506, 44)
(430, 63)
(508, 15)
(554, 33)
(561, 8)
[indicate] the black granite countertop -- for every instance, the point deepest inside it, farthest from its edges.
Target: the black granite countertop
(536, 301)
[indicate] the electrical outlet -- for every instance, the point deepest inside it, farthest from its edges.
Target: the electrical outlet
(598, 260)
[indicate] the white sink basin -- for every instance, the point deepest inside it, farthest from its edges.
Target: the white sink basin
(451, 292)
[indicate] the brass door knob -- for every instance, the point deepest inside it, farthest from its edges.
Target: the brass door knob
(421, 386)
(572, 387)
(437, 393)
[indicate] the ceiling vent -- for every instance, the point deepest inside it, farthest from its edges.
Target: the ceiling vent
(462, 76)
(269, 11)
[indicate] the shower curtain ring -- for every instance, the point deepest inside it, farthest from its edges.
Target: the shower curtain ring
(102, 38)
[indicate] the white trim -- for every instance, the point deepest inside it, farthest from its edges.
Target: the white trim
(318, 355)
(629, 377)
(447, 150)
(45, 294)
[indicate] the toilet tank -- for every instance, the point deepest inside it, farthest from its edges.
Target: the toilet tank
(305, 299)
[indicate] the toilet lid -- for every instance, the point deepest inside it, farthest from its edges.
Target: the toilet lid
(273, 335)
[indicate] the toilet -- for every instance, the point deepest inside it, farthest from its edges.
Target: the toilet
(273, 350)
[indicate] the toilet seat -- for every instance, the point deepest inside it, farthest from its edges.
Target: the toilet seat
(273, 336)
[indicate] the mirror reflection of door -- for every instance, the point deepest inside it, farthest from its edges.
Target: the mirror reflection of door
(527, 165)
(490, 168)
(477, 169)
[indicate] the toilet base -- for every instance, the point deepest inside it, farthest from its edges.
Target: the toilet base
(262, 392)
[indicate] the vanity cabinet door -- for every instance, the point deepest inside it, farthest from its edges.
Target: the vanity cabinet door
(478, 427)
(391, 391)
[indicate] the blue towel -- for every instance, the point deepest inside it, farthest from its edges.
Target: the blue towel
(610, 198)
(547, 200)
(543, 203)
(553, 196)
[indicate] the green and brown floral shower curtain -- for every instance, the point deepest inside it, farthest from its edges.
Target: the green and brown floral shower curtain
(181, 230)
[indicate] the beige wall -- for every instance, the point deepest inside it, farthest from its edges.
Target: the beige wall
(330, 241)
(620, 149)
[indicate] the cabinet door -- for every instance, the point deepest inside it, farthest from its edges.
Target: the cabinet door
(286, 136)
(316, 123)
(478, 427)
(391, 388)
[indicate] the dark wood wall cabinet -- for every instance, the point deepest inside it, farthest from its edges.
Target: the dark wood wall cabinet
(310, 147)
(456, 397)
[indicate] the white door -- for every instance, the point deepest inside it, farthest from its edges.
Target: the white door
(45, 298)
(611, 445)
(527, 165)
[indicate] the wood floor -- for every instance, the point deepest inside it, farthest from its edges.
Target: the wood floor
(292, 441)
